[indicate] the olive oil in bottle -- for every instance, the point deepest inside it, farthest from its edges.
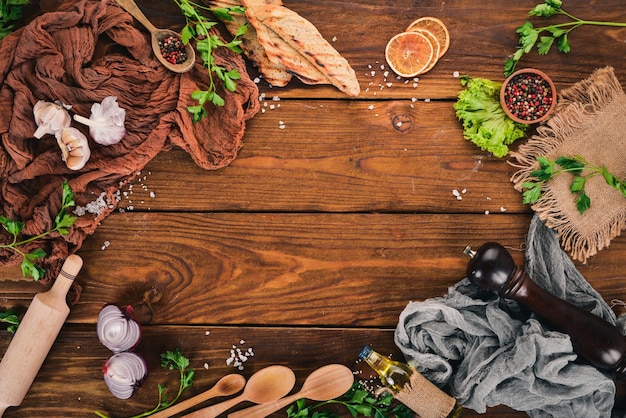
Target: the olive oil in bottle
(411, 388)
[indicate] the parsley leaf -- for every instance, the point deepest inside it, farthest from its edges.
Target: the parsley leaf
(10, 317)
(577, 166)
(62, 222)
(198, 27)
(545, 36)
(10, 11)
(358, 401)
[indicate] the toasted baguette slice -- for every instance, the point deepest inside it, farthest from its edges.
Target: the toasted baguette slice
(305, 40)
(274, 72)
(281, 53)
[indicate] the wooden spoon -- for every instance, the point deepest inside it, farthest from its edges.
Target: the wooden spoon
(323, 384)
(227, 385)
(266, 385)
(157, 34)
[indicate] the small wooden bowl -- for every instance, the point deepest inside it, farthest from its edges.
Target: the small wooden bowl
(549, 100)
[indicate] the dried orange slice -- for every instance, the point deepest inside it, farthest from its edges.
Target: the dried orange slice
(436, 27)
(409, 53)
(436, 48)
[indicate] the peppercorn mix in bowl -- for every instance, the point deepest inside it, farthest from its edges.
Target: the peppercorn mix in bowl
(528, 96)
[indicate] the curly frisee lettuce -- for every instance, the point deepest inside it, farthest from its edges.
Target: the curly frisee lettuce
(484, 120)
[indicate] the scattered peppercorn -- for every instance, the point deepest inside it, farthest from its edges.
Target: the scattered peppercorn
(528, 96)
(173, 49)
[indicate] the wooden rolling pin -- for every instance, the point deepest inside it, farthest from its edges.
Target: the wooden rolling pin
(34, 336)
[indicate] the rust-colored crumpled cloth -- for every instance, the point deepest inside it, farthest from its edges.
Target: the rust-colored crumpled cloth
(55, 57)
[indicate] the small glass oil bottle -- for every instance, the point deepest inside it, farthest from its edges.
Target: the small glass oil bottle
(411, 388)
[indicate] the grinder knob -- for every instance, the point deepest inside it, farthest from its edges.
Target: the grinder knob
(491, 267)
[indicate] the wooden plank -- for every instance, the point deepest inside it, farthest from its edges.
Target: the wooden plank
(70, 382)
(293, 269)
(359, 163)
(315, 270)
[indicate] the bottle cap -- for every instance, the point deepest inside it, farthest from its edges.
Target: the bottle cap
(365, 352)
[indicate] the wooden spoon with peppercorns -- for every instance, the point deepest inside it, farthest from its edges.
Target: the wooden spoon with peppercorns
(167, 44)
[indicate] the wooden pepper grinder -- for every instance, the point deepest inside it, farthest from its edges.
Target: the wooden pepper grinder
(594, 339)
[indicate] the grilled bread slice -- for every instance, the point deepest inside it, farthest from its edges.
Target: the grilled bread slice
(274, 72)
(296, 42)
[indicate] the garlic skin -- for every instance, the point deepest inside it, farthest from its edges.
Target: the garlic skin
(74, 148)
(117, 330)
(123, 373)
(50, 118)
(106, 123)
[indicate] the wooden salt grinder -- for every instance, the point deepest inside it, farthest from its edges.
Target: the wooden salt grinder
(34, 336)
(595, 340)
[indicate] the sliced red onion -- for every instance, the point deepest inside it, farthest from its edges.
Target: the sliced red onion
(123, 373)
(117, 330)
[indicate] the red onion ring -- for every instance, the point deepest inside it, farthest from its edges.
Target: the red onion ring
(117, 330)
(123, 373)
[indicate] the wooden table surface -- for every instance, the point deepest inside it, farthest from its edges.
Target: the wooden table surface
(311, 243)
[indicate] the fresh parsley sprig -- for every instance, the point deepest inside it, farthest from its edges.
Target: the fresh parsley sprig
(10, 11)
(358, 401)
(577, 166)
(170, 360)
(10, 317)
(62, 222)
(544, 37)
(197, 27)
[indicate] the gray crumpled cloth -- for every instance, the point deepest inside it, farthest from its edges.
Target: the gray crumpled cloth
(490, 351)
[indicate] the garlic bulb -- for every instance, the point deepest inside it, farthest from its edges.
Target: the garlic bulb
(106, 123)
(123, 373)
(116, 329)
(50, 118)
(74, 148)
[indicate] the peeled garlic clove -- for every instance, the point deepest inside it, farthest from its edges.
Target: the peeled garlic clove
(74, 148)
(123, 373)
(117, 330)
(50, 118)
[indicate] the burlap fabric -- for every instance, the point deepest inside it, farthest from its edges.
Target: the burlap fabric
(590, 121)
(59, 56)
